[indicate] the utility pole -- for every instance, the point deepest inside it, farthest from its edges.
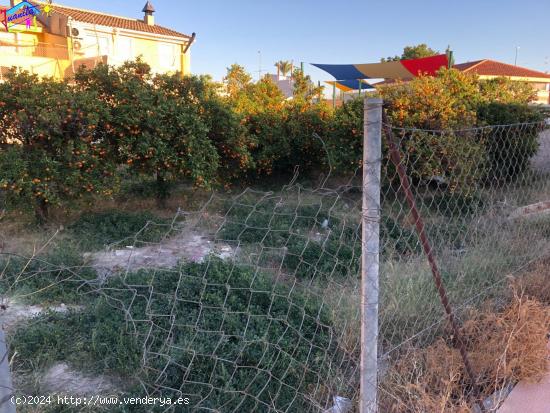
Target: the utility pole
(516, 59)
(450, 57)
(259, 65)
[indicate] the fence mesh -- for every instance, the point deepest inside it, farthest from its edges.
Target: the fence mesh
(481, 196)
(251, 302)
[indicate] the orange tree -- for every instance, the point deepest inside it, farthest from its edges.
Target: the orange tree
(503, 90)
(345, 137)
(446, 103)
(281, 131)
(226, 130)
(286, 137)
(157, 133)
(446, 107)
(53, 143)
(261, 106)
(510, 148)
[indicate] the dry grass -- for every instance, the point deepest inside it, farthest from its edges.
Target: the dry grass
(509, 346)
(504, 347)
(20, 233)
(536, 282)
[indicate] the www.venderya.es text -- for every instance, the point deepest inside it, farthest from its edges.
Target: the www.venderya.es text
(98, 401)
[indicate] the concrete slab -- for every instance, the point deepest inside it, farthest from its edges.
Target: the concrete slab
(528, 398)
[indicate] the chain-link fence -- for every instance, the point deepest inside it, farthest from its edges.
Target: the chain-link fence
(253, 302)
(462, 327)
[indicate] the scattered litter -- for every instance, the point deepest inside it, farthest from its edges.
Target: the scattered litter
(341, 405)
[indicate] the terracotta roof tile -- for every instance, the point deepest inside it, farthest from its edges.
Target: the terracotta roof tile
(493, 68)
(92, 17)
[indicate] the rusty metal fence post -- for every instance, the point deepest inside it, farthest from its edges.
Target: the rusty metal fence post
(395, 157)
(372, 158)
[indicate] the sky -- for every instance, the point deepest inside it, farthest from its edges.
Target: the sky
(346, 31)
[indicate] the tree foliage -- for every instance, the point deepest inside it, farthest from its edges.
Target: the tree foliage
(236, 79)
(413, 52)
(452, 102)
(157, 131)
(62, 141)
(305, 90)
(54, 144)
(283, 129)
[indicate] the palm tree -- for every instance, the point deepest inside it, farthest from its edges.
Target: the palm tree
(284, 67)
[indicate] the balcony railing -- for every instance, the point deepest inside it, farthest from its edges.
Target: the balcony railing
(55, 51)
(60, 60)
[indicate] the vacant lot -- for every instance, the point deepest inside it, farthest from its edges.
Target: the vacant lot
(250, 301)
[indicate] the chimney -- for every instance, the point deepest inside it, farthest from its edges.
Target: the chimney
(149, 19)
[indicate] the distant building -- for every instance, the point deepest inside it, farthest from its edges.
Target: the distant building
(284, 83)
(490, 69)
(56, 42)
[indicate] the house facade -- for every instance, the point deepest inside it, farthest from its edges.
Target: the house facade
(60, 39)
(490, 69)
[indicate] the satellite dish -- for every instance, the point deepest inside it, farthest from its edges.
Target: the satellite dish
(77, 45)
(75, 32)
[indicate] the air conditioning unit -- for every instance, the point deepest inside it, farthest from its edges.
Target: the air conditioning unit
(75, 32)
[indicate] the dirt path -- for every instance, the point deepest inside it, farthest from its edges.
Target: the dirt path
(187, 245)
(62, 379)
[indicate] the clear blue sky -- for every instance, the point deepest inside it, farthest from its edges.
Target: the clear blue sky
(346, 31)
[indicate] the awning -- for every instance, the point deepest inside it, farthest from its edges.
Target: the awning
(401, 69)
(349, 85)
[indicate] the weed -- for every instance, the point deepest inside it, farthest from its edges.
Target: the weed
(59, 276)
(98, 230)
(256, 346)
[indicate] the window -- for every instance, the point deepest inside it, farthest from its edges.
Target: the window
(104, 46)
(167, 55)
(124, 49)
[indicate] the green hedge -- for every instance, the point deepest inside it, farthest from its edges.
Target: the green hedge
(510, 148)
(61, 142)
